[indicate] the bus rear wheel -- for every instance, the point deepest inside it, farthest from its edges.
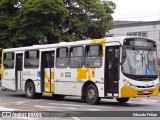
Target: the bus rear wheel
(92, 95)
(122, 100)
(30, 91)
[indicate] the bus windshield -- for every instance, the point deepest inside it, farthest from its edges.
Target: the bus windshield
(140, 60)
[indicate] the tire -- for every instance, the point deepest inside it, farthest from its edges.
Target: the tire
(30, 90)
(122, 100)
(55, 96)
(83, 99)
(92, 95)
(4, 89)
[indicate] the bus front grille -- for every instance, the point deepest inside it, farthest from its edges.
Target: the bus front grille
(145, 86)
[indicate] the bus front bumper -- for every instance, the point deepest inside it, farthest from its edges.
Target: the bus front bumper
(127, 92)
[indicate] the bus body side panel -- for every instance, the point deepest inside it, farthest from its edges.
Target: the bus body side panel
(70, 81)
(8, 75)
(34, 75)
(100, 87)
(65, 82)
(68, 88)
(9, 79)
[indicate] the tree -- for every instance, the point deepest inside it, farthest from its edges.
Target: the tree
(7, 13)
(36, 21)
(39, 21)
(87, 19)
(51, 21)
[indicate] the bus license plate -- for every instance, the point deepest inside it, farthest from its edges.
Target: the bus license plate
(146, 91)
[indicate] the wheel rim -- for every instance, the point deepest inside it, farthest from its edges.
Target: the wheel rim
(29, 90)
(91, 94)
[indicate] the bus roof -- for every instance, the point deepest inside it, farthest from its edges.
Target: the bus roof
(81, 42)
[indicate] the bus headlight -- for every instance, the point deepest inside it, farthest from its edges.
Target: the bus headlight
(125, 82)
(129, 84)
(157, 85)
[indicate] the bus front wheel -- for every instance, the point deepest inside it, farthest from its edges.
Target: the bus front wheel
(92, 95)
(122, 100)
(4, 89)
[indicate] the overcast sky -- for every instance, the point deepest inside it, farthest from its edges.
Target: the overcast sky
(137, 10)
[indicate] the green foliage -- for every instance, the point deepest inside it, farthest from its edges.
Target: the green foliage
(88, 19)
(7, 13)
(51, 21)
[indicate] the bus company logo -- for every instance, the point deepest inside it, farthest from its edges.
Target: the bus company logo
(67, 74)
(21, 114)
(6, 114)
(29, 74)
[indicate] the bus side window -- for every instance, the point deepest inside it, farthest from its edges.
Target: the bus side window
(62, 57)
(93, 56)
(31, 59)
(8, 60)
(76, 57)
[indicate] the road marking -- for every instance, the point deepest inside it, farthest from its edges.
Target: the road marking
(76, 118)
(78, 105)
(150, 101)
(66, 104)
(143, 101)
(41, 106)
(21, 102)
(132, 102)
(26, 118)
(93, 109)
(6, 109)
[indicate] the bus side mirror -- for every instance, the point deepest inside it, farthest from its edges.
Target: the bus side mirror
(123, 55)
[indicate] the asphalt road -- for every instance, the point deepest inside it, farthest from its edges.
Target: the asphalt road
(17, 101)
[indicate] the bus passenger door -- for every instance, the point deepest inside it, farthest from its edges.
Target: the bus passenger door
(47, 71)
(112, 63)
(19, 63)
